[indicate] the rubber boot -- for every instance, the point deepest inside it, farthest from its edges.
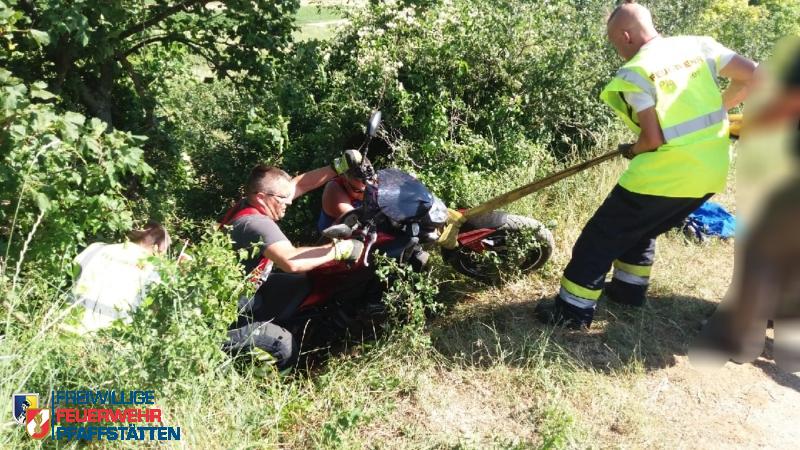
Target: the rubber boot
(625, 293)
(555, 311)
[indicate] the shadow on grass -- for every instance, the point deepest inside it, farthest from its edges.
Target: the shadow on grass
(620, 337)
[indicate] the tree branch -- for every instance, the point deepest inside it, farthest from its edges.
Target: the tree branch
(125, 53)
(97, 100)
(141, 26)
(171, 38)
(89, 98)
(62, 58)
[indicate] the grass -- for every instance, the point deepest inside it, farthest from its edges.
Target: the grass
(308, 14)
(318, 20)
(483, 374)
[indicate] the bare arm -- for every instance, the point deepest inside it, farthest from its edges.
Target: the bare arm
(740, 71)
(298, 259)
(650, 137)
(311, 180)
(335, 201)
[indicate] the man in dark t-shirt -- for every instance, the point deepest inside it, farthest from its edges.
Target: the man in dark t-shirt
(253, 229)
(269, 191)
(253, 226)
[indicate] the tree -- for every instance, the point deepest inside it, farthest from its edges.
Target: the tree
(84, 49)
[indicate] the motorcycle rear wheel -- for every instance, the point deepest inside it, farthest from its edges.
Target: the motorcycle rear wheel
(505, 259)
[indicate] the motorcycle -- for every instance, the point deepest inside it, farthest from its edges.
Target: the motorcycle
(403, 219)
(397, 204)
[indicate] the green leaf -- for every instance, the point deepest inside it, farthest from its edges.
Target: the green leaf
(39, 90)
(73, 117)
(42, 202)
(41, 37)
(92, 144)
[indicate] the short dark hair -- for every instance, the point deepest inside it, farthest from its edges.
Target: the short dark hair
(152, 234)
(263, 179)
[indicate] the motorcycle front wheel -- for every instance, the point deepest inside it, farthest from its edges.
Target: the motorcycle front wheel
(518, 245)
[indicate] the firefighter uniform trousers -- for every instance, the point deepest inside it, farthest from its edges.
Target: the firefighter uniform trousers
(622, 233)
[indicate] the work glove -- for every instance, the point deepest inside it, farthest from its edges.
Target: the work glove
(350, 159)
(735, 121)
(626, 150)
(347, 249)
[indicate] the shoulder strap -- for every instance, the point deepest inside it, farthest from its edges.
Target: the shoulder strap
(240, 209)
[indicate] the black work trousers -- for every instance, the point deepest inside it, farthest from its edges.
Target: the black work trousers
(621, 233)
(277, 300)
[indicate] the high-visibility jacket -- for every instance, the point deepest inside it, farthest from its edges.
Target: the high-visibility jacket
(694, 160)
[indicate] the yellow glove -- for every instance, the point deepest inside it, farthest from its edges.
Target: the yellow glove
(350, 159)
(347, 250)
(735, 127)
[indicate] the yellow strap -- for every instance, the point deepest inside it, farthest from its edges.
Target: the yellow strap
(580, 291)
(449, 237)
(639, 271)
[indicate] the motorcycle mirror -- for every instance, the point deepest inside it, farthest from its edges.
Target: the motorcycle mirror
(340, 231)
(374, 123)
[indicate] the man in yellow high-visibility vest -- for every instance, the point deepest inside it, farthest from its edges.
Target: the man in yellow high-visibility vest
(667, 93)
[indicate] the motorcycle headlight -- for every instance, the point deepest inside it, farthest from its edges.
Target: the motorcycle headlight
(437, 215)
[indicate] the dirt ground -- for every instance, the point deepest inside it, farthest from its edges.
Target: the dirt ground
(745, 406)
(633, 388)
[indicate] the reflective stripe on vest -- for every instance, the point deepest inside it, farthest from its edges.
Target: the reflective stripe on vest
(696, 124)
(639, 80)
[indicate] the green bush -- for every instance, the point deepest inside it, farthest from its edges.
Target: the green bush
(751, 28)
(62, 178)
(179, 329)
(409, 295)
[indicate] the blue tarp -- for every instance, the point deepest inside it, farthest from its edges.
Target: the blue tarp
(711, 219)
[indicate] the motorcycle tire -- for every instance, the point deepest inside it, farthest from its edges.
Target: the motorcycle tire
(465, 260)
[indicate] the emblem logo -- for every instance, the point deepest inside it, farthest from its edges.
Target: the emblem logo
(20, 404)
(38, 422)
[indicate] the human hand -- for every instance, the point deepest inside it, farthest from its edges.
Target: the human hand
(347, 250)
(350, 159)
(626, 150)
